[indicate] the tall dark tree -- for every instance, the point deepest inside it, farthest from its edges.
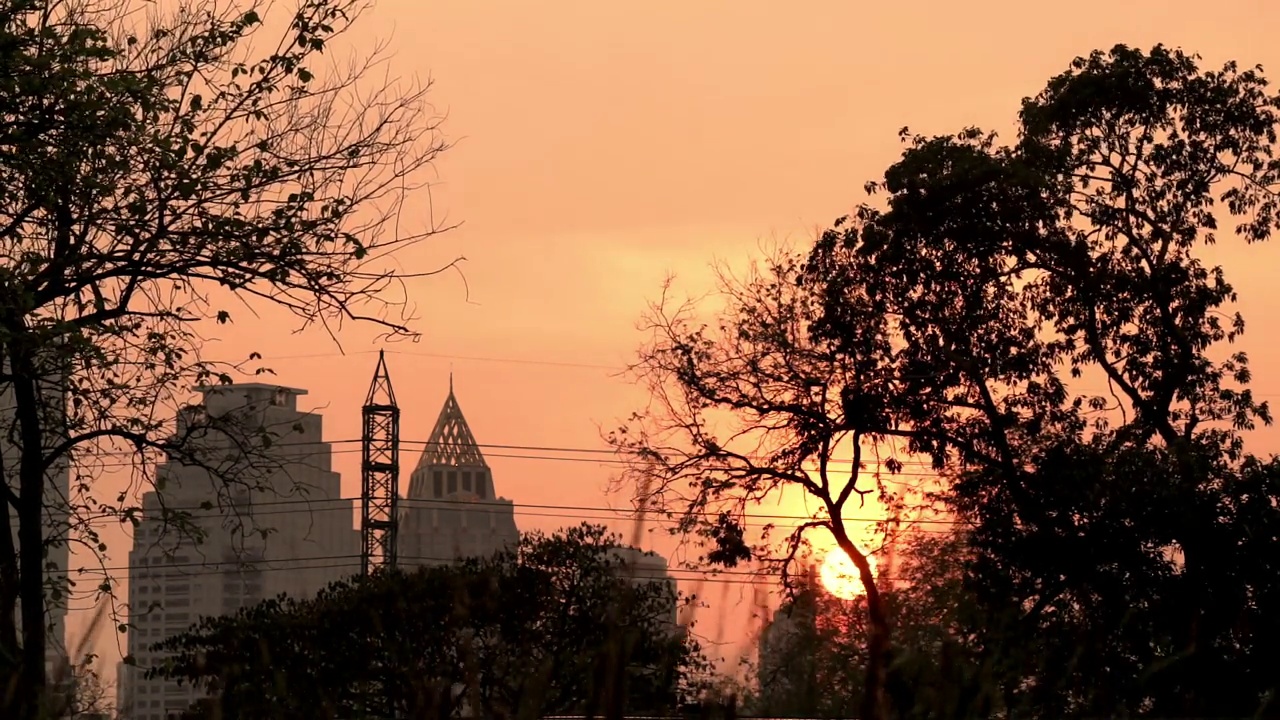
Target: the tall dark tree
(1128, 525)
(555, 626)
(752, 406)
(1119, 542)
(160, 163)
(812, 656)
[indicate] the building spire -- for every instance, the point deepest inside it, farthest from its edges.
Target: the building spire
(451, 441)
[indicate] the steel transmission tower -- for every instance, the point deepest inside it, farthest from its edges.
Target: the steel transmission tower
(379, 473)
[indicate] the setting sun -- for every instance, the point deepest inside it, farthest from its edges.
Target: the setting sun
(840, 575)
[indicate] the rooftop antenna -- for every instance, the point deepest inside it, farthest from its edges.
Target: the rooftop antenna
(379, 473)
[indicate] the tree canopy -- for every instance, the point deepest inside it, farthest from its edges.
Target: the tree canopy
(554, 626)
(1037, 323)
(813, 653)
(163, 165)
(1128, 523)
(811, 656)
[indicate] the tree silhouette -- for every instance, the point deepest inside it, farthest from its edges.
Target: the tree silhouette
(749, 408)
(525, 633)
(812, 656)
(159, 164)
(1114, 522)
(1114, 539)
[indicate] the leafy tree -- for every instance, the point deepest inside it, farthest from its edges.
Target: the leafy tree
(1117, 536)
(159, 162)
(91, 698)
(585, 632)
(812, 660)
(752, 406)
(554, 626)
(1114, 537)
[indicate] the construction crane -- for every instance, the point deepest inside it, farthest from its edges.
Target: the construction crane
(379, 473)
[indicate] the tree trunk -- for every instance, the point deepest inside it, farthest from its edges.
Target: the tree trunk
(31, 540)
(878, 631)
(10, 658)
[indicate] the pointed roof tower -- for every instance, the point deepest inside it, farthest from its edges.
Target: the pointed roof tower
(451, 441)
(380, 392)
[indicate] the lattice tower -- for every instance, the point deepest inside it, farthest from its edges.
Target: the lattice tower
(379, 473)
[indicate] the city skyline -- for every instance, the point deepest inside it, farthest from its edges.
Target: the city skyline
(290, 530)
(645, 160)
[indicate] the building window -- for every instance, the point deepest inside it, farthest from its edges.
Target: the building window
(437, 480)
(453, 482)
(466, 480)
(482, 487)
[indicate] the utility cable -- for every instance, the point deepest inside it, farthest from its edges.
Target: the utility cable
(249, 567)
(449, 502)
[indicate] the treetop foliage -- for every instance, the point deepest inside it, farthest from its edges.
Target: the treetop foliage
(553, 626)
(1037, 321)
(159, 162)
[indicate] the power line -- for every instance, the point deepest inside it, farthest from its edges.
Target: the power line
(443, 356)
(886, 475)
(353, 560)
(550, 363)
(619, 515)
(426, 502)
(494, 446)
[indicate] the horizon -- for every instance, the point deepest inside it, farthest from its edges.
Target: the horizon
(596, 151)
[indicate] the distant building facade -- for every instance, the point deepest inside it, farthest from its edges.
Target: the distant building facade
(452, 509)
(290, 532)
(648, 567)
(804, 653)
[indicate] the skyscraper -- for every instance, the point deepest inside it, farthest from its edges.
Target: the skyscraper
(284, 529)
(452, 509)
(648, 567)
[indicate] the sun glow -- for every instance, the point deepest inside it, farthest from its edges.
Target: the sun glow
(840, 576)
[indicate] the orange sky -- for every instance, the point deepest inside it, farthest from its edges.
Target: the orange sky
(601, 145)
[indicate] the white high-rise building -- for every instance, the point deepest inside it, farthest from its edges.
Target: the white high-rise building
(291, 533)
(57, 510)
(452, 509)
(643, 567)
